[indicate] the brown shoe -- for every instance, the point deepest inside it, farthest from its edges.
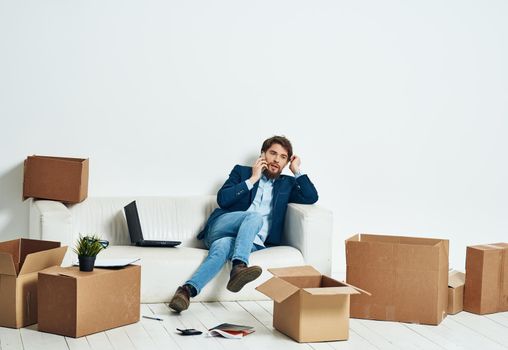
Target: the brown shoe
(241, 275)
(180, 300)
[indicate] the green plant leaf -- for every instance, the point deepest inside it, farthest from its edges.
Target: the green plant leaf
(88, 245)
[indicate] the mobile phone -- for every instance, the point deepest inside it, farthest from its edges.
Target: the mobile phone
(189, 331)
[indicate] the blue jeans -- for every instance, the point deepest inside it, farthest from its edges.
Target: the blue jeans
(230, 237)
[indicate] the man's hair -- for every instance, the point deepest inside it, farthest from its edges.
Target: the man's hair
(281, 140)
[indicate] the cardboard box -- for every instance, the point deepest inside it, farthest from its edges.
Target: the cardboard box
(56, 178)
(456, 282)
(408, 278)
(20, 260)
(75, 303)
(486, 289)
(308, 306)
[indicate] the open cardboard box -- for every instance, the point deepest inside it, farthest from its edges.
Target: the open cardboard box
(20, 261)
(56, 178)
(407, 276)
(486, 289)
(308, 306)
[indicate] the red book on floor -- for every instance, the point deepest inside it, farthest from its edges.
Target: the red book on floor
(234, 330)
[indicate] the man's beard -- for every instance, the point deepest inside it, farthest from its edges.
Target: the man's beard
(272, 175)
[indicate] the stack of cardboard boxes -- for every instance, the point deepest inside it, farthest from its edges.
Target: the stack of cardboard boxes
(407, 280)
(34, 288)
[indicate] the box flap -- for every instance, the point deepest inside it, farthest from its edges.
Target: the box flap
(7, 265)
(74, 272)
(356, 288)
(331, 291)
(29, 246)
(70, 159)
(491, 246)
(41, 260)
(53, 270)
(277, 289)
(498, 245)
(456, 279)
(305, 270)
(13, 248)
(355, 238)
(394, 239)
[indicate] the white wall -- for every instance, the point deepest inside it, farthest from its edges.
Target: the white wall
(397, 108)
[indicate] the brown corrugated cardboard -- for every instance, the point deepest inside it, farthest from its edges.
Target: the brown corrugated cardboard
(20, 260)
(456, 282)
(308, 306)
(56, 178)
(407, 276)
(486, 289)
(75, 303)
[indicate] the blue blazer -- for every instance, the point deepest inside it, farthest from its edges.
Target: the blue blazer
(234, 195)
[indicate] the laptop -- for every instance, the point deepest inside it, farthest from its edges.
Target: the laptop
(134, 225)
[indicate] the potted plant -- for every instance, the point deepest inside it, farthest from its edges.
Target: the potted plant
(87, 248)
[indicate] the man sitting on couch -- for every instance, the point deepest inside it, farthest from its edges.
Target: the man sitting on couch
(252, 206)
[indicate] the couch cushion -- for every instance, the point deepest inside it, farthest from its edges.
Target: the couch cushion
(162, 218)
(164, 269)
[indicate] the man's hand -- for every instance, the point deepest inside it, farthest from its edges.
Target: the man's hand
(294, 166)
(257, 169)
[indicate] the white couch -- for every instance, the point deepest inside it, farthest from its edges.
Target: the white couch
(307, 239)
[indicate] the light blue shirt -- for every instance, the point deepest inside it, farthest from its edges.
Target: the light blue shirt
(262, 204)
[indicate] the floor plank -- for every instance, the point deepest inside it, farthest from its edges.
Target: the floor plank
(355, 342)
(155, 330)
(77, 343)
(463, 331)
(33, 339)
(119, 339)
(430, 333)
(464, 337)
(488, 328)
(99, 341)
(172, 321)
(400, 336)
(267, 305)
(500, 318)
(10, 339)
(361, 328)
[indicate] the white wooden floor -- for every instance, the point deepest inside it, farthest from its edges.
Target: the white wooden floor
(461, 331)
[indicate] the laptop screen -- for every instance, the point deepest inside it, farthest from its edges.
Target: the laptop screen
(131, 214)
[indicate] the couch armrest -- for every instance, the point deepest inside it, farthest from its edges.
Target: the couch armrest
(309, 228)
(50, 220)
